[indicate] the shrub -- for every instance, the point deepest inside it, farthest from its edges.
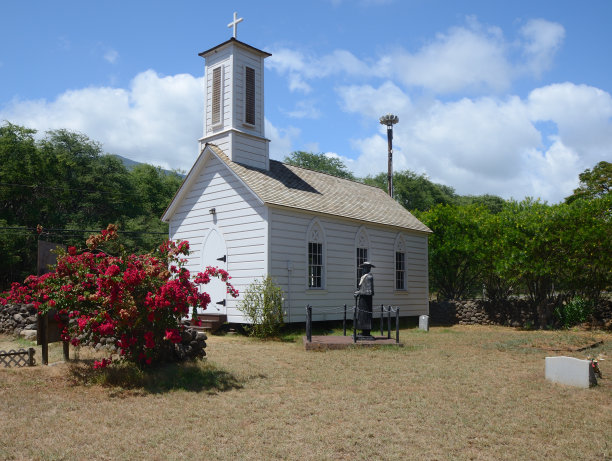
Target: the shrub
(133, 303)
(574, 312)
(263, 306)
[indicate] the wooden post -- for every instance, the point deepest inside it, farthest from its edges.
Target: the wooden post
(66, 350)
(382, 319)
(355, 322)
(344, 322)
(389, 322)
(397, 326)
(31, 352)
(308, 323)
(44, 337)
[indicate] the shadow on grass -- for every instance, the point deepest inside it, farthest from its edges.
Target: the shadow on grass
(193, 377)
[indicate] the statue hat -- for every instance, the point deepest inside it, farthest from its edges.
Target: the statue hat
(367, 263)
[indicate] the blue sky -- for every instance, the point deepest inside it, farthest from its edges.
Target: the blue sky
(509, 98)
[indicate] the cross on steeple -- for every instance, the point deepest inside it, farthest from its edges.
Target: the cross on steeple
(234, 23)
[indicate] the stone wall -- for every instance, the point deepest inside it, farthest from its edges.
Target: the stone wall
(515, 313)
(18, 319)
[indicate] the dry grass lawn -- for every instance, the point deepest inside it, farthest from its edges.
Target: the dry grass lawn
(451, 393)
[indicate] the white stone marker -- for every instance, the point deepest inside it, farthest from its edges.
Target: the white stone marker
(424, 322)
(570, 371)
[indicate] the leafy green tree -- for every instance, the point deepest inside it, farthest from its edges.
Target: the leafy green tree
(415, 192)
(456, 249)
(532, 252)
(319, 162)
(65, 181)
(593, 183)
(493, 203)
(585, 247)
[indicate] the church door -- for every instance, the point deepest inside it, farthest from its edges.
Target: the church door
(215, 254)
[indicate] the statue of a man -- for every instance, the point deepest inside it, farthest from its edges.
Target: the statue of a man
(364, 300)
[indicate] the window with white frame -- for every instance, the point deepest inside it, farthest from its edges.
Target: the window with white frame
(400, 270)
(315, 265)
(400, 263)
(362, 256)
(316, 256)
(362, 245)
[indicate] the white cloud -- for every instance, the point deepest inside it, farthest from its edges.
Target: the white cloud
(490, 145)
(299, 67)
(542, 39)
(111, 56)
(473, 57)
(463, 58)
(156, 120)
(367, 100)
(305, 109)
(281, 140)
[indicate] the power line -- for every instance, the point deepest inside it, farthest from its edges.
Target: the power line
(76, 231)
(34, 186)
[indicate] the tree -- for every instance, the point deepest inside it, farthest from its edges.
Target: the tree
(593, 183)
(456, 249)
(415, 192)
(493, 203)
(320, 162)
(66, 182)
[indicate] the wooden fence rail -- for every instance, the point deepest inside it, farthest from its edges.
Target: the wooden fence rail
(20, 358)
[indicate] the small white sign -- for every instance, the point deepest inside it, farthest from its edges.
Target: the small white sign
(570, 371)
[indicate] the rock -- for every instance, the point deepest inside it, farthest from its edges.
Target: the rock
(31, 326)
(18, 318)
(32, 319)
(201, 336)
(30, 335)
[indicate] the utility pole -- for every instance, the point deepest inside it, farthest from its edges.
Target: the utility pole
(389, 120)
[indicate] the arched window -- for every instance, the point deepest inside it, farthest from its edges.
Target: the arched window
(400, 263)
(316, 255)
(362, 250)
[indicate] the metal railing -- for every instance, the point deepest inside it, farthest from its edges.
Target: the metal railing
(383, 310)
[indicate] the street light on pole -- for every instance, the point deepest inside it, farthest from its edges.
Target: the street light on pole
(389, 120)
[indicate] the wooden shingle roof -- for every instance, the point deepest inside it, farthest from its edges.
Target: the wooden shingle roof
(294, 187)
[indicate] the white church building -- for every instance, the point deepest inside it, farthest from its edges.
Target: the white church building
(309, 231)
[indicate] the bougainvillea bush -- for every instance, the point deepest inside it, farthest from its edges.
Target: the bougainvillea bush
(133, 302)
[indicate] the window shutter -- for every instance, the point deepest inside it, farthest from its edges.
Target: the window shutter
(249, 100)
(216, 96)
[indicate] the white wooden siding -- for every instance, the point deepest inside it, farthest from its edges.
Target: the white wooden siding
(240, 218)
(288, 246)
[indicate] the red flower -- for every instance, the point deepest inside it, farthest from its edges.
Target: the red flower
(173, 335)
(112, 270)
(149, 342)
(101, 364)
(72, 251)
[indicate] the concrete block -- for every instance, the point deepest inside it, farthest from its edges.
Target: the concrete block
(570, 371)
(424, 322)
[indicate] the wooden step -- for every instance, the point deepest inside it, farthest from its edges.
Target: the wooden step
(212, 322)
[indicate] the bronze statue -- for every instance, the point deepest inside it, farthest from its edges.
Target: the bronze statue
(364, 301)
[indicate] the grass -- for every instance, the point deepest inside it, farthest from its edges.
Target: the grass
(464, 392)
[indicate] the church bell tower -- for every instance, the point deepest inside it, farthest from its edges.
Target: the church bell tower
(234, 101)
